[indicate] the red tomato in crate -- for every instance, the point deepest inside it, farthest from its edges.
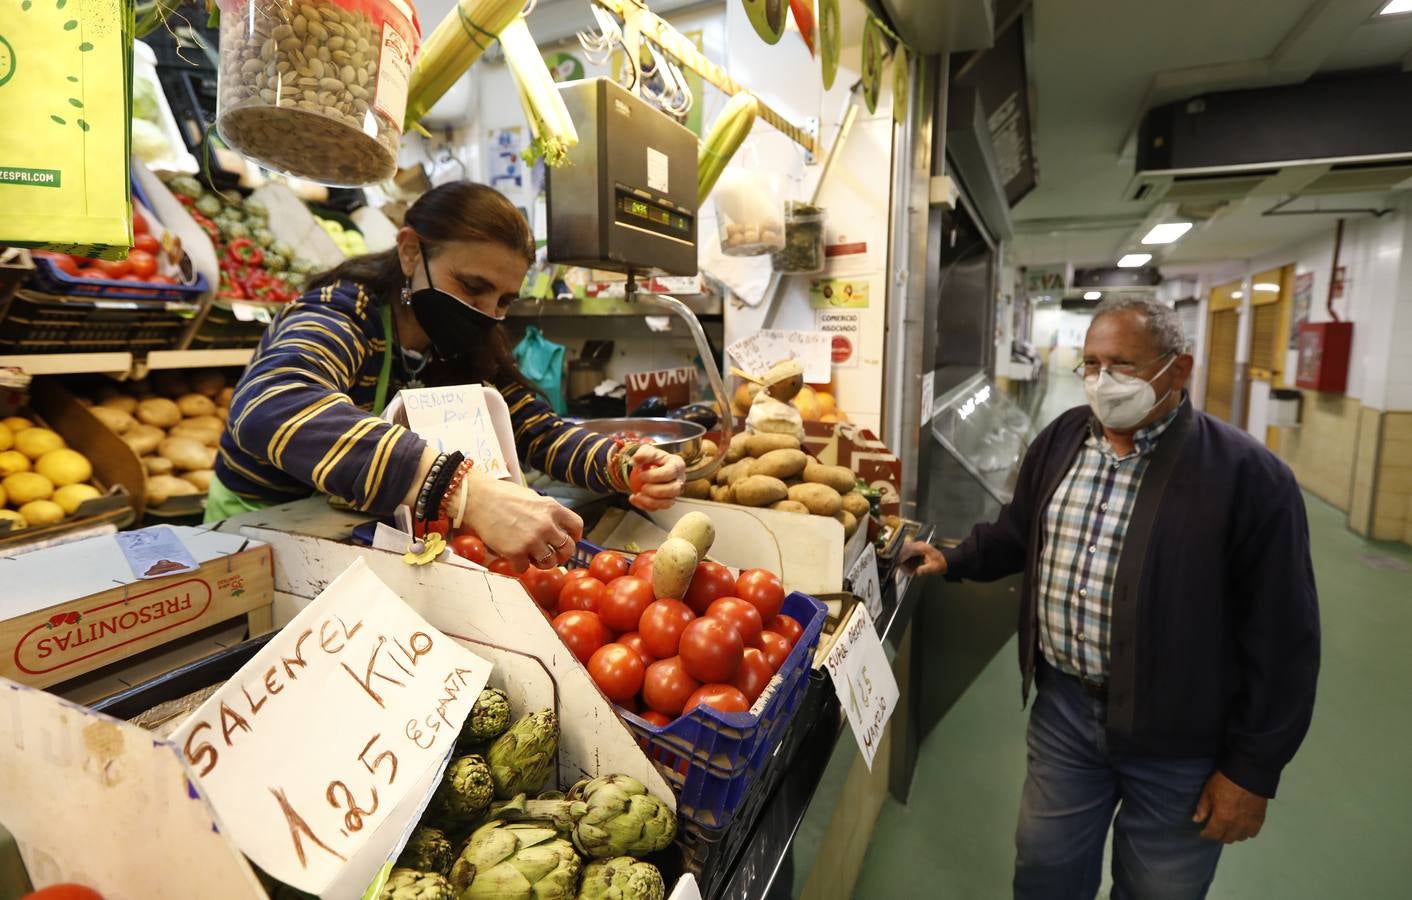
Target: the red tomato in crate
(112, 268)
(608, 565)
(582, 632)
(161, 279)
(661, 626)
(789, 628)
(643, 561)
(742, 615)
(720, 697)
(147, 244)
(635, 641)
(544, 585)
(711, 582)
(579, 573)
(754, 675)
(711, 650)
(139, 223)
(144, 264)
(775, 647)
(502, 566)
(762, 589)
(627, 599)
(618, 671)
(62, 261)
(666, 686)
(654, 718)
(584, 592)
(64, 892)
(468, 546)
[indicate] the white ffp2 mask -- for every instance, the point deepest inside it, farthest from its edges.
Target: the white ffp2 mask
(1122, 401)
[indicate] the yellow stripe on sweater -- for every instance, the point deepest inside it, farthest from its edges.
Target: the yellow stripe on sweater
(340, 450)
(285, 433)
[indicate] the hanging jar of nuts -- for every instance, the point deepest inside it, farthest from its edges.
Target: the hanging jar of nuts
(316, 88)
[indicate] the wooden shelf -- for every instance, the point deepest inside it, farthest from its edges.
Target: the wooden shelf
(70, 363)
(199, 359)
(704, 305)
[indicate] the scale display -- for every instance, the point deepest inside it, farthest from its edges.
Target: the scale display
(641, 212)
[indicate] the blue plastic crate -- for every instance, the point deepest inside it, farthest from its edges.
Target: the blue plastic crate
(711, 758)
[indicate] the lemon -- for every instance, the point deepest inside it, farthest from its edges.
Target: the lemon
(71, 495)
(42, 512)
(64, 466)
(16, 520)
(7, 437)
(24, 487)
(17, 423)
(35, 442)
(12, 461)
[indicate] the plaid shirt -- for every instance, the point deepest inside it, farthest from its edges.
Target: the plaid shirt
(1084, 526)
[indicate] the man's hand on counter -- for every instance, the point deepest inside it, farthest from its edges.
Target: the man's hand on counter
(921, 558)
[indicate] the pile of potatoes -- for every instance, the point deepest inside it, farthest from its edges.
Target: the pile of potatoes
(770, 470)
(814, 405)
(173, 422)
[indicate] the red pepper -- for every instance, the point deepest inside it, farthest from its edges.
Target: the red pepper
(245, 251)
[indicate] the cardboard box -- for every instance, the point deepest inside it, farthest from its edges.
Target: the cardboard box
(78, 607)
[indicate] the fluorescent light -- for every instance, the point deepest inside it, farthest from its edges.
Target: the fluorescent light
(1168, 232)
(1134, 260)
(1270, 287)
(1396, 7)
(1093, 295)
(1236, 295)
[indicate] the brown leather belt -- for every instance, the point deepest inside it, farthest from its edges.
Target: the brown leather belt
(1098, 690)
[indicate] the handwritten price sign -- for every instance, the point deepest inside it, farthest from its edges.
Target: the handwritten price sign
(863, 678)
(457, 418)
(758, 352)
(338, 721)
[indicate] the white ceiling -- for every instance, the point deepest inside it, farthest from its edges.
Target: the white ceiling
(1098, 65)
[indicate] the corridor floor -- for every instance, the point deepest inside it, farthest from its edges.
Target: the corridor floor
(1341, 826)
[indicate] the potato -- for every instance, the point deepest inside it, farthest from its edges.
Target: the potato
(781, 464)
(696, 528)
(723, 474)
(840, 478)
(821, 499)
(758, 490)
(158, 465)
(759, 444)
(793, 506)
(159, 412)
(697, 489)
(850, 524)
(224, 397)
(708, 449)
(161, 488)
(722, 494)
(196, 405)
(211, 421)
(200, 478)
(115, 420)
(207, 382)
(672, 568)
(741, 471)
(143, 439)
(171, 384)
(187, 454)
(736, 450)
(857, 504)
(211, 437)
(120, 403)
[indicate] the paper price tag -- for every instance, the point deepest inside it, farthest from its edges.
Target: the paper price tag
(864, 578)
(758, 352)
(863, 679)
(457, 418)
(310, 748)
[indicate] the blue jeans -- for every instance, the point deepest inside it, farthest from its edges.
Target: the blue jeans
(1073, 786)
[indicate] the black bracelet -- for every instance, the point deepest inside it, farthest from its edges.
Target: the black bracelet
(420, 510)
(437, 483)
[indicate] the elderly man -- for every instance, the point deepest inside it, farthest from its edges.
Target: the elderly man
(1169, 620)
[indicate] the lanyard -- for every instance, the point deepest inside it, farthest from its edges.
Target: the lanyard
(385, 376)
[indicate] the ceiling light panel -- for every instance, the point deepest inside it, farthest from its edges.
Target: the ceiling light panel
(1396, 7)
(1168, 232)
(1134, 260)
(1093, 295)
(1269, 287)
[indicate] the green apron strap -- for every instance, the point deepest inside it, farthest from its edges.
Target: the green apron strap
(385, 376)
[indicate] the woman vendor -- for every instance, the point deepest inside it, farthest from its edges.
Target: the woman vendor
(305, 416)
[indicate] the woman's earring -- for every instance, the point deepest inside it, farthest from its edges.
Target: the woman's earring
(407, 294)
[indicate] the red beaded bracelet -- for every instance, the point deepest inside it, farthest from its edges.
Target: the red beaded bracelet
(461, 471)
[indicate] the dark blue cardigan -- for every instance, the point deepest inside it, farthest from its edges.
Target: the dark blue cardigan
(1215, 645)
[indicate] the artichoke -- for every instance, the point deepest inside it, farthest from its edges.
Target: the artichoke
(209, 205)
(522, 758)
(186, 186)
(254, 209)
(283, 248)
(465, 791)
(409, 884)
(488, 719)
(262, 236)
(622, 819)
(621, 878)
(275, 263)
(428, 850)
(516, 862)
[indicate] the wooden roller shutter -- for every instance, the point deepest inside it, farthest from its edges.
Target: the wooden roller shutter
(1220, 378)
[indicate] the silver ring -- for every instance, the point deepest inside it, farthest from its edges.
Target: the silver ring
(545, 558)
(555, 549)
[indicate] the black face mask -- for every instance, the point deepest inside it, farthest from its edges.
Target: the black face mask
(456, 329)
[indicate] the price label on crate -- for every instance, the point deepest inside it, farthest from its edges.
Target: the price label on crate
(333, 730)
(758, 352)
(863, 678)
(864, 578)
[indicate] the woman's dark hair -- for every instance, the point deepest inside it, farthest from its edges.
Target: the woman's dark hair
(457, 211)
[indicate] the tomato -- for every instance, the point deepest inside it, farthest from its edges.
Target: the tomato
(762, 589)
(64, 892)
(711, 650)
(643, 561)
(776, 648)
(711, 582)
(755, 673)
(113, 268)
(139, 223)
(422, 528)
(654, 718)
(662, 624)
(584, 592)
(788, 627)
(628, 598)
(544, 585)
(468, 546)
(618, 672)
(721, 697)
(147, 244)
(63, 262)
(608, 565)
(144, 264)
(635, 640)
(579, 573)
(666, 686)
(742, 615)
(638, 479)
(582, 632)
(502, 566)
(161, 279)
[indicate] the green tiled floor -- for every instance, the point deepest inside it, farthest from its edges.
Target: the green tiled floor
(1340, 828)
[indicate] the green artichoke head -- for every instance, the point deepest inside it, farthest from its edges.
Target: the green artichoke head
(510, 861)
(465, 791)
(255, 209)
(427, 850)
(409, 884)
(621, 819)
(489, 717)
(621, 878)
(522, 758)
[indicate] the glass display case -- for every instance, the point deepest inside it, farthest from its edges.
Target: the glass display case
(985, 432)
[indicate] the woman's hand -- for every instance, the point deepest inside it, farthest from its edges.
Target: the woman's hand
(657, 478)
(516, 523)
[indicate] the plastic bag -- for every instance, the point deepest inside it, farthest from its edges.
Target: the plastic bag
(542, 362)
